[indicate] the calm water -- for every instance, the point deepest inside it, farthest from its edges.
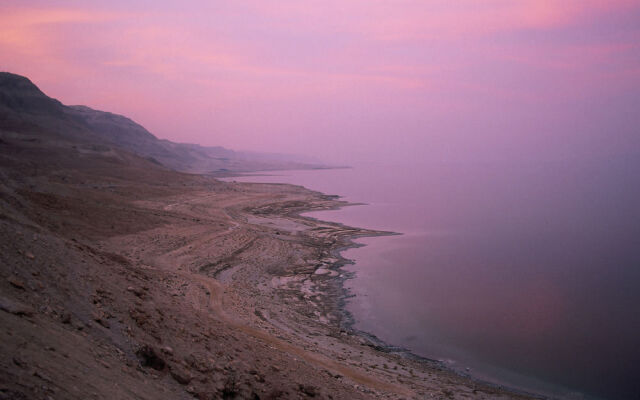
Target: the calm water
(529, 275)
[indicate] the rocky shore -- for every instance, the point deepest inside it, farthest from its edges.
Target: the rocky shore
(122, 278)
(117, 284)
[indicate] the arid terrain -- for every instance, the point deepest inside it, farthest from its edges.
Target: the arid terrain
(123, 279)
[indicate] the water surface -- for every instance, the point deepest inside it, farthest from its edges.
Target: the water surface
(528, 275)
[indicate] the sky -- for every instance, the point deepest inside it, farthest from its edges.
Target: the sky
(347, 80)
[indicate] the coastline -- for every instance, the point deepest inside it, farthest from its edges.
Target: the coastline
(347, 320)
(184, 286)
(465, 365)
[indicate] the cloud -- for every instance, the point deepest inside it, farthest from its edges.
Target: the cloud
(235, 64)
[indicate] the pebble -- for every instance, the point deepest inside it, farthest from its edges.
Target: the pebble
(15, 307)
(16, 282)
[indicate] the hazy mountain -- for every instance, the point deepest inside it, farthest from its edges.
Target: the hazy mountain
(26, 110)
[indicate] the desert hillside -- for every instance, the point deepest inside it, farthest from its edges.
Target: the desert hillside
(26, 110)
(121, 278)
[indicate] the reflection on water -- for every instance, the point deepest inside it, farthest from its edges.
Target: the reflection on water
(523, 273)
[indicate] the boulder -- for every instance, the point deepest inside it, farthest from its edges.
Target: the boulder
(149, 357)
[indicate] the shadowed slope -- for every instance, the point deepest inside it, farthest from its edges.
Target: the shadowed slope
(25, 109)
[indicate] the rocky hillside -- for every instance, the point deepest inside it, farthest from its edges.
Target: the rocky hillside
(25, 109)
(123, 279)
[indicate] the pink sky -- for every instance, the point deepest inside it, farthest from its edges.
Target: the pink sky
(347, 80)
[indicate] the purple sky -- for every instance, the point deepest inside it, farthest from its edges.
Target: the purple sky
(347, 80)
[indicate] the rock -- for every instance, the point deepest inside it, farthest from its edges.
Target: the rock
(149, 358)
(200, 362)
(137, 291)
(167, 350)
(12, 395)
(41, 375)
(30, 256)
(79, 325)
(19, 362)
(309, 390)
(65, 318)
(46, 309)
(16, 282)
(100, 318)
(15, 307)
(139, 316)
(180, 374)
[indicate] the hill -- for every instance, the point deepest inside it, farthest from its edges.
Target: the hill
(26, 112)
(123, 279)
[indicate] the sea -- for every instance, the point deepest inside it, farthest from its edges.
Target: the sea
(526, 275)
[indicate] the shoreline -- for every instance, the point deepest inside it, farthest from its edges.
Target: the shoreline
(348, 320)
(184, 286)
(478, 371)
(268, 172)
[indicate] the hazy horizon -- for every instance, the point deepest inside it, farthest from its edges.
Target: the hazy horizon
(347, 82)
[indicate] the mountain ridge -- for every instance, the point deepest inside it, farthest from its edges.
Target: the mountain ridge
(25, 109)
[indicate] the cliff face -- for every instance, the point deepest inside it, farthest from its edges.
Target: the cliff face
(25, 109)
